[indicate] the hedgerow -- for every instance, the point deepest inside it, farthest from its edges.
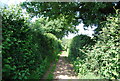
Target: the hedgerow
(103, 59)
(79, 42)
(26, 52)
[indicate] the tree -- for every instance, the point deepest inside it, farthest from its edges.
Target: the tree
(102, 59)
(74, 12)
(58, 27)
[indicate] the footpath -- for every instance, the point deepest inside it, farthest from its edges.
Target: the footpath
(63, 71)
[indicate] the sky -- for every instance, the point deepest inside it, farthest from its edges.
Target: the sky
(11, 2)
(88, 32)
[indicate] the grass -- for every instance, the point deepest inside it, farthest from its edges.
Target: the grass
(89, 76)
(40, 71)
(50, 76)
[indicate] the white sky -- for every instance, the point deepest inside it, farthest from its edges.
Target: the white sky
(11, 2)
(88, 32)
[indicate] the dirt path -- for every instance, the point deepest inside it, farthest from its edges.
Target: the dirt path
(64, 70)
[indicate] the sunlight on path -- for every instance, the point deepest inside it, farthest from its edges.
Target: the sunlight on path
(64, 70)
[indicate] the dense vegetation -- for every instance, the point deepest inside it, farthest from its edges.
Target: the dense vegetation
(102, 59)
(79, 42)
(89, 13)
(29, 47)
(66, 43)
(27, 51)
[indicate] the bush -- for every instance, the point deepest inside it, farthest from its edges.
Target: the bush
(79, 42)
(66, 43)
(26, 51)
(51, 44)
(103, 58)
(15, 47)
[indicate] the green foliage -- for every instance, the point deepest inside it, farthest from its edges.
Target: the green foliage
(103, 59)
(90, 76)
(15, 46)
(79, 42)
(39, 72)
(27, 51)
(50, 75)
(58, 26)
(51, 43)
(66, 43)
(90, 13)
(52, 10)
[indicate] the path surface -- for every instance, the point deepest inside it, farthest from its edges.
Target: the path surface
(64, 70)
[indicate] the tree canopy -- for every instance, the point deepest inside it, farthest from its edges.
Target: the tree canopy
(90, 13)
(58, 27)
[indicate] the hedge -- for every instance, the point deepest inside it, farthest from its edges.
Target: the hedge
(26, 53)
(79, 42)
(102, 59)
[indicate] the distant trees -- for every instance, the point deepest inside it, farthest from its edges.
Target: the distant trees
(66, 43)
(58, 26)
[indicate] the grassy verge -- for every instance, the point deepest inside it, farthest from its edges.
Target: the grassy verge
(89, 76)
(41, 70)
(44, 68)
(51, 75)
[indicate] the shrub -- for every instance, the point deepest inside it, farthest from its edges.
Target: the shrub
(15, 46)
(25, 50)
(103, 58)
(51, 44)
(79, 42)
(66, 43)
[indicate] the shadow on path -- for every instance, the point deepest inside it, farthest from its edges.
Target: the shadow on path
(64, 70)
